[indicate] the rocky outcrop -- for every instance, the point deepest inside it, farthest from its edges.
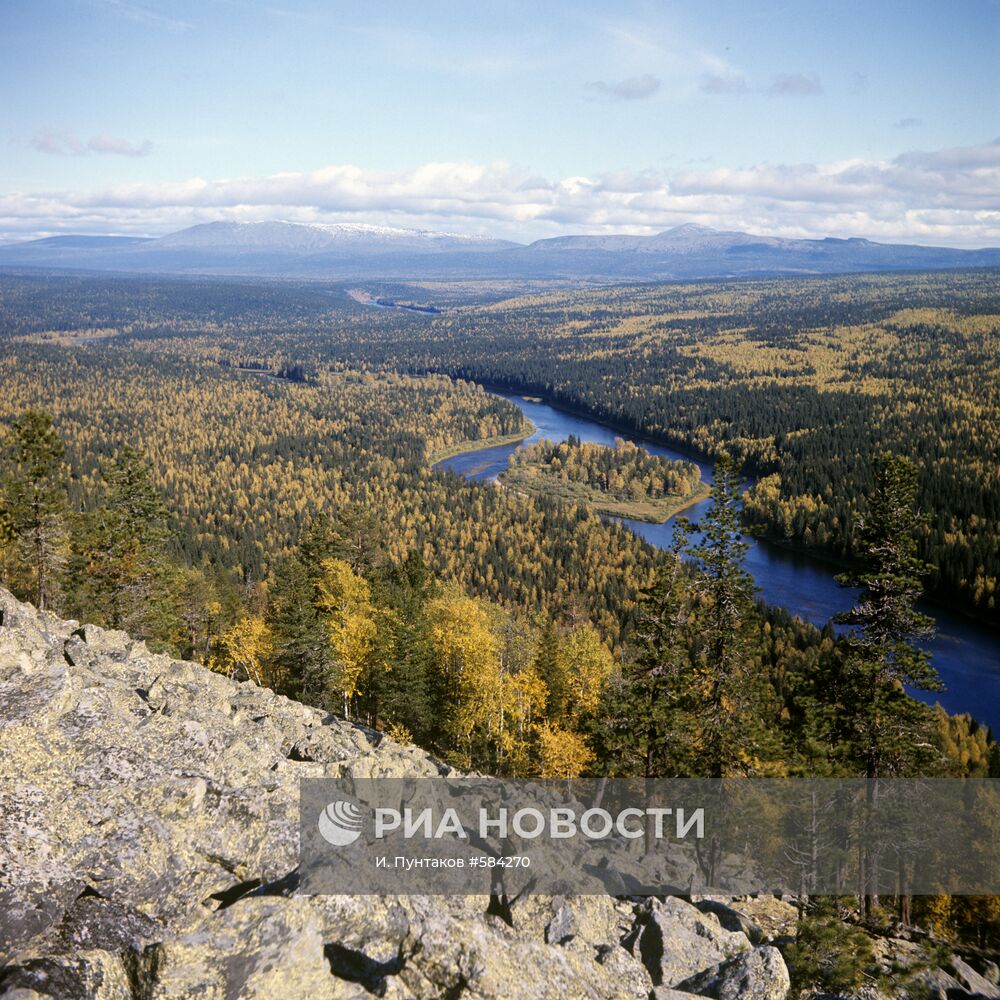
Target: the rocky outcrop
(148, 846)
(675, 940)
(148, 841)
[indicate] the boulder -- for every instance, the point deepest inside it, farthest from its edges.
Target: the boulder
(730, 917)
(972, 981)
(674, 940)
(759, 974)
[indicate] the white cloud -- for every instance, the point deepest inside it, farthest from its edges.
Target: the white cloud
(65, 143)
(946, 196)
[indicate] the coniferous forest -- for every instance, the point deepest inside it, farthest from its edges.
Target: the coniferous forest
(243, 474)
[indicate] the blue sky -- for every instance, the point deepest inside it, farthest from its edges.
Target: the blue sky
(516, 119)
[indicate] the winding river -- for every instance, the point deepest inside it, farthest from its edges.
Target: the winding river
(966, 654)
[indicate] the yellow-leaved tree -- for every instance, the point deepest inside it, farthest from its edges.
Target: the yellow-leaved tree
(245, 650)
(564, 754)
(468, 656)
(344, 601)
(525, 694)
(586, 663)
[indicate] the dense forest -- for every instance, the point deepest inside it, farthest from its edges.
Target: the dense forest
(242, 474)
(244, 462)
(802, 380)
(625, 480)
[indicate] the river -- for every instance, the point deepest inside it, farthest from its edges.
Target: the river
(965, 653)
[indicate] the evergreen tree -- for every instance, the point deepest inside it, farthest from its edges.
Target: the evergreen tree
(727, 687)
(119, 551)
(353, 534)
(644, 728)
(885, 724)
(36, 501)
(302, 660)
(886, 728)
(403, 695)
(548, 668)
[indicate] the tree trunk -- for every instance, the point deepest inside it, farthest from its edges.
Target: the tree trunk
(904, 894)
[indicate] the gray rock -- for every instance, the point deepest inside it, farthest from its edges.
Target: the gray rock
(142, 798)
(972, 981)
(759, 974)
(731, 918)
(772, 917)
(935, 984)
(674, 940)
(562, 927)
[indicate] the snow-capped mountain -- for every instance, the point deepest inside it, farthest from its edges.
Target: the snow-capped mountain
(299, 237)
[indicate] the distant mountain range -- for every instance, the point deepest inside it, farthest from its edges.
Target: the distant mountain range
(353, 251)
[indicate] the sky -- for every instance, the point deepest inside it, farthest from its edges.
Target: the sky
(514, 119)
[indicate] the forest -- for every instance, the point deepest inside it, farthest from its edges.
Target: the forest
(243, 475)
(623, 481)
(802, 380)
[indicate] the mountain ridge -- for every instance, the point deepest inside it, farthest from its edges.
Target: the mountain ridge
(345, 251)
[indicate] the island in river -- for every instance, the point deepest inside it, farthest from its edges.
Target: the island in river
(623, 480)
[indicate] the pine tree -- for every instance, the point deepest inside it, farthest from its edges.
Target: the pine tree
(353, 534)
(403, 694)
(883, 648)
(119, 550)
(644, 729)
(886, 727)
(728, 689)
(36, 502)
(302, 660)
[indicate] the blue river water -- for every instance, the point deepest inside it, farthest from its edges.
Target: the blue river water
(965, 653)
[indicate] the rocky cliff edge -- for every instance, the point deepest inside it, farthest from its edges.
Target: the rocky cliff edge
(148, 829)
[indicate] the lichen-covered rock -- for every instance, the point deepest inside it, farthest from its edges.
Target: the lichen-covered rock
(759, 974)
(148, 832)
(148, 841)
(976, 984)
(761, 917)
(675, 940)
